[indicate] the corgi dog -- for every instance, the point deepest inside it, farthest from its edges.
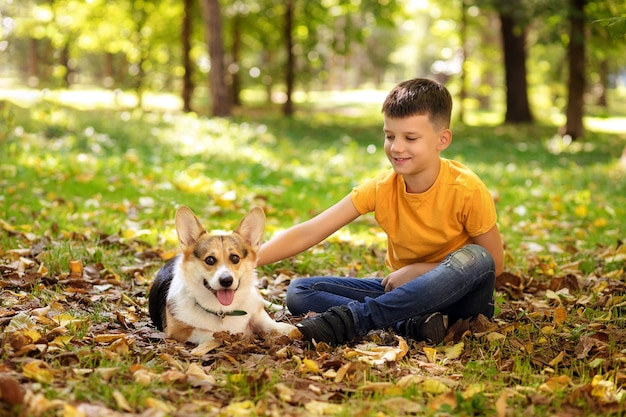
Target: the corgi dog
(211, 285)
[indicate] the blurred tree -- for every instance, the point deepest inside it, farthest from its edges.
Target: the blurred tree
(290, 70)
(221, 100)
(513, 21)
(188, 85)
(576, 67)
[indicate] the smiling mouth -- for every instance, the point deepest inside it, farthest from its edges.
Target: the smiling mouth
(225, 296)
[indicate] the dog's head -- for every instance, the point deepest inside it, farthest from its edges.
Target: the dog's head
(219, 264)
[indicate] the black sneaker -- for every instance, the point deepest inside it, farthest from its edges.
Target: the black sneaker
(432, 328)
(335, 326)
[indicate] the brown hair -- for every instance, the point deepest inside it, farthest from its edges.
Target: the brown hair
(420, 96)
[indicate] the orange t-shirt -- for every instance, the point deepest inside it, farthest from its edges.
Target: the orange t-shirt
(428, 226)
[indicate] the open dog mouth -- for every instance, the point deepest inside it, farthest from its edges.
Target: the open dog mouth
(224, 296)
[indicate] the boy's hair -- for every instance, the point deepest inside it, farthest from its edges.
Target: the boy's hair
(420, 96)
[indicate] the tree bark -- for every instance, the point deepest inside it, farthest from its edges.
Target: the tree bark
(221, 105)
(236, 56)
(33, 63)
(463, 38)
(188, 86)
(576, 65)
(288, 108)
(514, 48)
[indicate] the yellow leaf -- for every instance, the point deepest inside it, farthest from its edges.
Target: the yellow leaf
(64, 319)
(581, 211)
(143, 376)
(309, 365)
(285, 393)
(76, 268)
(447, 398)
(455, 351)
(472, 390)
(198, 373)
(323, 408)
(108, 338)
(434, 386)
(70, 411)
(236, 378)
(39, 371)
(558, 359)
(605, 390)
(61, 341)
(431, 354)
(560, 315)
(106, 373)
(409, 380)
(494, 336)
(159, 405)
(239, 409)
(121, 402)
(386, 388)
(206, 347)
(342, 371)
(600, 222)
(33, 335)
(501, 404)
(556, 383)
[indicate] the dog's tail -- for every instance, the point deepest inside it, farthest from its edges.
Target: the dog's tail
(158, 294)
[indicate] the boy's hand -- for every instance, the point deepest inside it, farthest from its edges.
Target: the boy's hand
(405, 274)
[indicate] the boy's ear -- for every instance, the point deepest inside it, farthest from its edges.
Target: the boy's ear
(445, 139)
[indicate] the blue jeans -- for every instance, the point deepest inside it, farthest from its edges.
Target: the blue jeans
(461, 286)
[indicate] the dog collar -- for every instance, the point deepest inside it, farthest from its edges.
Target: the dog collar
(222, 314)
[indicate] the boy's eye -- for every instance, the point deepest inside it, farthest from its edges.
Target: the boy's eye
(411, 139)
(388, 137)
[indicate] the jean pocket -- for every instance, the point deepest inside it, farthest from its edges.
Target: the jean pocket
(460, 259)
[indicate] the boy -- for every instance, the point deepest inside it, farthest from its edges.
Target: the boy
(443, 244)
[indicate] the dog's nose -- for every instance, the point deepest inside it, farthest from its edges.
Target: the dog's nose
(226, 281)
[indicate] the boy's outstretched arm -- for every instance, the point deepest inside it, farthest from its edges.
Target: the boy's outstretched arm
(302, 236)
(493, 243)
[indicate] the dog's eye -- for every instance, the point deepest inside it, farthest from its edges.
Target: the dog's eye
(235, 259)
(210, 260)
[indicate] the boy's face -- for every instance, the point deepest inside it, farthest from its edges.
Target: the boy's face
(413, 144)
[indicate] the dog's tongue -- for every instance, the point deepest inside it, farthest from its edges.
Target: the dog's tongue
(225, 297)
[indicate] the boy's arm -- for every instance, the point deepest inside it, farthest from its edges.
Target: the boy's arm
(302, 236)
(493, 243)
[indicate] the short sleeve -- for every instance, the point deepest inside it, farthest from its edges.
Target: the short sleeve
(364, 196)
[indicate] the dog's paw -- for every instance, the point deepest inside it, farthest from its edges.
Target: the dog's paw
(295, 334)
(290, 330)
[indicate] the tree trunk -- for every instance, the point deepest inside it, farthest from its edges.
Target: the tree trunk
(463, 39)
(108, 73)
(288, 108)
(65, 62)
(603, 83)
(33, 63)
(236, 54)
(576, 65)
(221, 105)
(188, 86)
(514, 48)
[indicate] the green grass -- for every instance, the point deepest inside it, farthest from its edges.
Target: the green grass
(102, 187)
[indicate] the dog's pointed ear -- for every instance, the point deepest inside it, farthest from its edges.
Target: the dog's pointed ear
(252, 227)
(188, 228)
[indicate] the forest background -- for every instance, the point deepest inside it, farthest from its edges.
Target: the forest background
(114, 113)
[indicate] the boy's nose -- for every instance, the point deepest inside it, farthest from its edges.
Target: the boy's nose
(397, 146)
